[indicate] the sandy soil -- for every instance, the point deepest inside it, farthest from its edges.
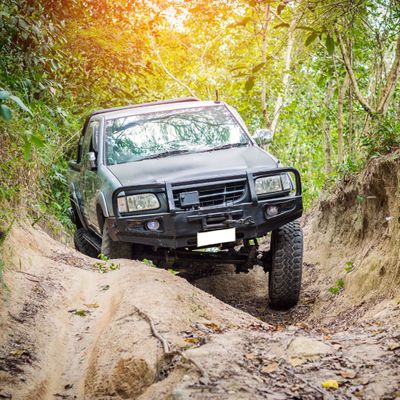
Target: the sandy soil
(68, 331)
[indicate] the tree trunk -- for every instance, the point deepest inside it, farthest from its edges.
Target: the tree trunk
(264, 60)
(286, 74)
(350, 138)
(326, 130)
(341, 96)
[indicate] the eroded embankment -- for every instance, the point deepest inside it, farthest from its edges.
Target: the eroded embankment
(68, 331)
(353, 239)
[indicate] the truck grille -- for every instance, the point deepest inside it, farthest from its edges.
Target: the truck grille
(214, 194)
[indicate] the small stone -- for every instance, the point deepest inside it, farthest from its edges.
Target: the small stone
(348, 373)
(393, 346)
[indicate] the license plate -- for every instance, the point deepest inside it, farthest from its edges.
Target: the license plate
(216, 237)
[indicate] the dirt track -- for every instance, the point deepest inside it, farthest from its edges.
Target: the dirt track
(68, 331)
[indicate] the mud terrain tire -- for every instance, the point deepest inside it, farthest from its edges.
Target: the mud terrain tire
(113, 249)
(286, 269)
(82, 245)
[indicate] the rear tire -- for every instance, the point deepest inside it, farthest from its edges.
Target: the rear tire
(113, 249)
(82, 245)
(286, 267)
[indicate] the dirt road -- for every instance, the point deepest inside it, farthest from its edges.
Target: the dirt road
(68, 331)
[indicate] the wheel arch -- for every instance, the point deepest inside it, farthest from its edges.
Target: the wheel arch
(101, 210)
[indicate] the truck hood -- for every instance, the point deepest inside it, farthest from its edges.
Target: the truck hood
(185, 167)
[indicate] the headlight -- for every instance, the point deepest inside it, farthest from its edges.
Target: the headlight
(138, 202)
(272, 184)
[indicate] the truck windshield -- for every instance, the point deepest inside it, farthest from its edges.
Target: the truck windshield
(172, 132)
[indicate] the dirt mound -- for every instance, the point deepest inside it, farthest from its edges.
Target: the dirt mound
(69, 331)
(353, 237)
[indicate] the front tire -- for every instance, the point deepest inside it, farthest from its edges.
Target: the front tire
(286, 269)
(82, 245)
(113, 249)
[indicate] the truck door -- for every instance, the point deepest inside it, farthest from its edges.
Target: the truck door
(89, 181)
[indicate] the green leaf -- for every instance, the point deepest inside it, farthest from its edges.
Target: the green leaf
(18, 101)
(27, 150)
(311, 38)
(257, 67)
(330, 44)
(37, 141)
(249, 83)
(5, 112)
(4, 95)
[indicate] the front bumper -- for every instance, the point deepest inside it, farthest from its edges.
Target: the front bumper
(179, 228)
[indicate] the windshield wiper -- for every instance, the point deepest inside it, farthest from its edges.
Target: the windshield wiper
(225, 146)
(165, 154)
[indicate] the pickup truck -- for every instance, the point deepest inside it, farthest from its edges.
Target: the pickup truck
(183, 184)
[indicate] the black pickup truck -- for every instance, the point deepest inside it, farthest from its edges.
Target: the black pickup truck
(182, 183)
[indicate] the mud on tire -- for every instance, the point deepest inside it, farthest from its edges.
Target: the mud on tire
(113, 249)
(286, 269)
(82, 245)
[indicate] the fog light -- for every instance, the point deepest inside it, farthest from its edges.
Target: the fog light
(272, 210)
(152, 225)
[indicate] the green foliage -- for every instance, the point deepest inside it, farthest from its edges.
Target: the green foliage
(172, 271)
(81, 313)
(105, 265)
(349, 266)
(148, 262)
(5, 110)
(58, 63)
(339, 287)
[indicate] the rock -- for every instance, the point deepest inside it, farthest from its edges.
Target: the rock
(366, 353)
(197, 353)
(393, 346)
(348, 373)
(303, 348)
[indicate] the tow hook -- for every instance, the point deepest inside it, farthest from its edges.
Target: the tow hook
(238, 222)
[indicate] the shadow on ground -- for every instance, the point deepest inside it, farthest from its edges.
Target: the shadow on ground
(249, 293)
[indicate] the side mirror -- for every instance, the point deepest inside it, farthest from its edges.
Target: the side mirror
(263, 136)
(91, 160)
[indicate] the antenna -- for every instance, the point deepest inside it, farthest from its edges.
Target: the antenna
(216, 96)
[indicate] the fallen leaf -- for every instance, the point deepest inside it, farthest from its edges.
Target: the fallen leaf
(192, 340)
(250, 356)
(267, 369)
(92, 305)
(214, 327)
(81, 313)
(303, 325)
(330, 384)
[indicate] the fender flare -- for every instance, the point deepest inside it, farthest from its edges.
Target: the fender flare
(101, 210)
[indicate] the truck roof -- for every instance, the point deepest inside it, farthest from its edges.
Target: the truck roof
(154, 103)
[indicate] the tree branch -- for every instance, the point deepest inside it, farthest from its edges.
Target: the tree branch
(362, 100)
(169, 73)
(391, 81)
